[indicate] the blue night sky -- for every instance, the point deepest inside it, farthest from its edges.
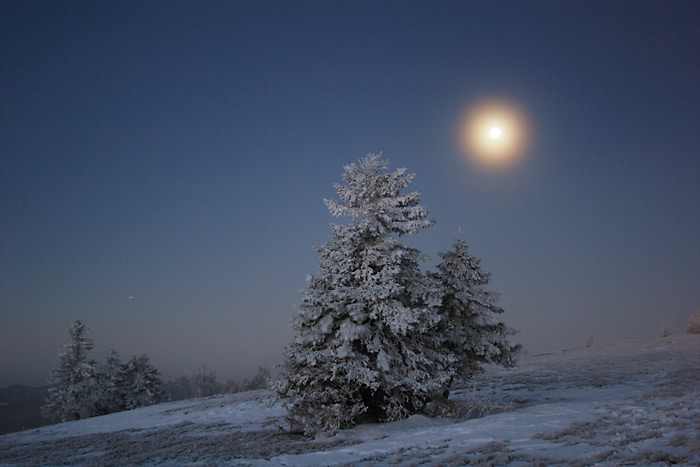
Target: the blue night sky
(163, 165)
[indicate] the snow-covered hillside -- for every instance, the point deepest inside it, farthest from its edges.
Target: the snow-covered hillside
(634, 403)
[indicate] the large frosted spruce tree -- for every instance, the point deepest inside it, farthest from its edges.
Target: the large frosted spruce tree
(366, 346)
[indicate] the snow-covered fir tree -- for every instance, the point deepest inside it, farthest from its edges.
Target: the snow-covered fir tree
(141, 384)
(73, 390)
(81, 388)
(470, 321)
(365, 344)
(110, 384)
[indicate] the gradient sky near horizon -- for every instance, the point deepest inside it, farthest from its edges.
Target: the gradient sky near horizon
(163, 165)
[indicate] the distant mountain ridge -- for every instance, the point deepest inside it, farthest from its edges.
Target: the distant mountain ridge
(20, 408)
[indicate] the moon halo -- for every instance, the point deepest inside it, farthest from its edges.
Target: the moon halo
(493, 132)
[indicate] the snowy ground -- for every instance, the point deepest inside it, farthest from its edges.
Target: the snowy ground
(635, 403)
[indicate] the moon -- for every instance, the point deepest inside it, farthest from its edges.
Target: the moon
(494, 132)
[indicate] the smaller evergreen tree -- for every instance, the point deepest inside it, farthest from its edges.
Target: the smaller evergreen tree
(141, 383)
(470, 322)
(111, 385)
(73, 383)
(80, 388)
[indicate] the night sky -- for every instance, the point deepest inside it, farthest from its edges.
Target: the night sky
(163, 165)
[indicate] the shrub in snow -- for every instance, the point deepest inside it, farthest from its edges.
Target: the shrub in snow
(666, 329)
(259, 381)
(469, 314)
(694, 324)
(204, 384)
(73, 392)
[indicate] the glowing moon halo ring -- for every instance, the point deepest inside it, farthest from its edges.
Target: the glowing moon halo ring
(493, 133)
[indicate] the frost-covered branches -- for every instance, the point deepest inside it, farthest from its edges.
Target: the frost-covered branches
(73, 383)
(470, 315)
(373, 334)
(372, 194)
(140, 383)
(81, 388)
